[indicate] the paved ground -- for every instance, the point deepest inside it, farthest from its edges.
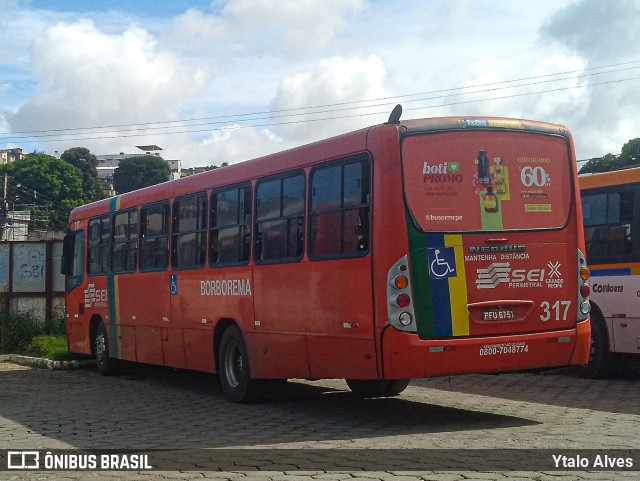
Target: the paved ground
(162, 409)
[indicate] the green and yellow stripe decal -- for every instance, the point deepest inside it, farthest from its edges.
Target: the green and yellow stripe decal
(113, 294)
(440, 303)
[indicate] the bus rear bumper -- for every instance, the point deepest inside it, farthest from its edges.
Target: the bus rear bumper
(583, 343)
(407, 356)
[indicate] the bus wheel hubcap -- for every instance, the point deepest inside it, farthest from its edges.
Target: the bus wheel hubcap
(100, 348)
(234, 365)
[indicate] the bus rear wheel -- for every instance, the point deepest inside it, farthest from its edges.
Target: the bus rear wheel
(233, 364)
(377, 388)
(106, 365)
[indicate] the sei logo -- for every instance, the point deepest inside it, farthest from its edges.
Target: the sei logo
(93, 296)
(502, 273)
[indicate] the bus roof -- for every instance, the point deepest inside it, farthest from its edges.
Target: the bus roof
(299, 157)
(353, 142)
(605, 179)
(483, 123)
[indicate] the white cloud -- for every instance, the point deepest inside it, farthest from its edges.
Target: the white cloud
(233, 144)
(601, 33)
(20, 28)
(292, 28)
(240, 56)
(87, 78)
(538, 93)
(333, 81)
(298, 27)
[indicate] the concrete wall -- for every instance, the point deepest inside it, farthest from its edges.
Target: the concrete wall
(30, 278)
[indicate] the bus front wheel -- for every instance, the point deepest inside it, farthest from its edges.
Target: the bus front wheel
(106, 365)
(377, 388)
(233, 364)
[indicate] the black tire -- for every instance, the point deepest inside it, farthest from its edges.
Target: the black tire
(600, 364)
(235, 373)
(106, 365)
(376, 388)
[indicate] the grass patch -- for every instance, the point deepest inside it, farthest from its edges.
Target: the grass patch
(52, 347)
(24, 333)
(17, 330)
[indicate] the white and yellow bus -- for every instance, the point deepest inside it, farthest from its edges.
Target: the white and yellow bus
(611, 211)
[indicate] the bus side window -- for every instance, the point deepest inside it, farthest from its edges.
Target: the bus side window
(340, 196)
(608, 217)
(230, 226)
(189, 231)
(154, 236)
(279, 224)
(73, 259)
(99, 245)
(125, 241)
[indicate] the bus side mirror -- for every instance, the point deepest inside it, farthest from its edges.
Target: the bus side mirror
(66, 265)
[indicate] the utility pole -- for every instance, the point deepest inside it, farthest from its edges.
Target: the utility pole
(3, 208)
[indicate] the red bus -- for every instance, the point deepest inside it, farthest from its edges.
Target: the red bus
(404, 250)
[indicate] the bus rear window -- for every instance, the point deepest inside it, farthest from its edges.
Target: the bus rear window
(486, 181)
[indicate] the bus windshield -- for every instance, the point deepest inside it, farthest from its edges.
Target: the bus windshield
(487, 181)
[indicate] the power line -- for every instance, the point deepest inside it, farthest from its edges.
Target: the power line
(235, 117)
(56, 133)
(128, 130)
(320, 119)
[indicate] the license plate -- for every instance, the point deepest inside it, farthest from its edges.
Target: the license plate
(498, 315)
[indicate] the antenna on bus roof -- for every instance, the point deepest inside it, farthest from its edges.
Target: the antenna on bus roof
(394, 118)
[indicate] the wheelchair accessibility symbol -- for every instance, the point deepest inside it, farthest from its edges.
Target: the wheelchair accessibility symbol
(442, 263)
(173, 284)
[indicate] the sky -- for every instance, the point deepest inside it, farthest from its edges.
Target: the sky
(230, 80)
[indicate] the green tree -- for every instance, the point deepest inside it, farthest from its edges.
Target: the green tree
(629, 157)
(50, 185)
(86, 165)
(141, 171)
(630, 154)
(600, 164)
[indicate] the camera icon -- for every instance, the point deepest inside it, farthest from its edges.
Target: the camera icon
(23, 460)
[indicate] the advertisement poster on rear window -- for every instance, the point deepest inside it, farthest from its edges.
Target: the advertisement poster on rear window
(486, 181)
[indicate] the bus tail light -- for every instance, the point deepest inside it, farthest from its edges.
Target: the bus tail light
(585, 273)
(585, 308)
(401, 282)
(585, 290)
(405, 318)
(583, 287)
(403, 300)
(400, 311)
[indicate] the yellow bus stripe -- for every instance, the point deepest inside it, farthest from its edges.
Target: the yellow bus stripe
(458, 288)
